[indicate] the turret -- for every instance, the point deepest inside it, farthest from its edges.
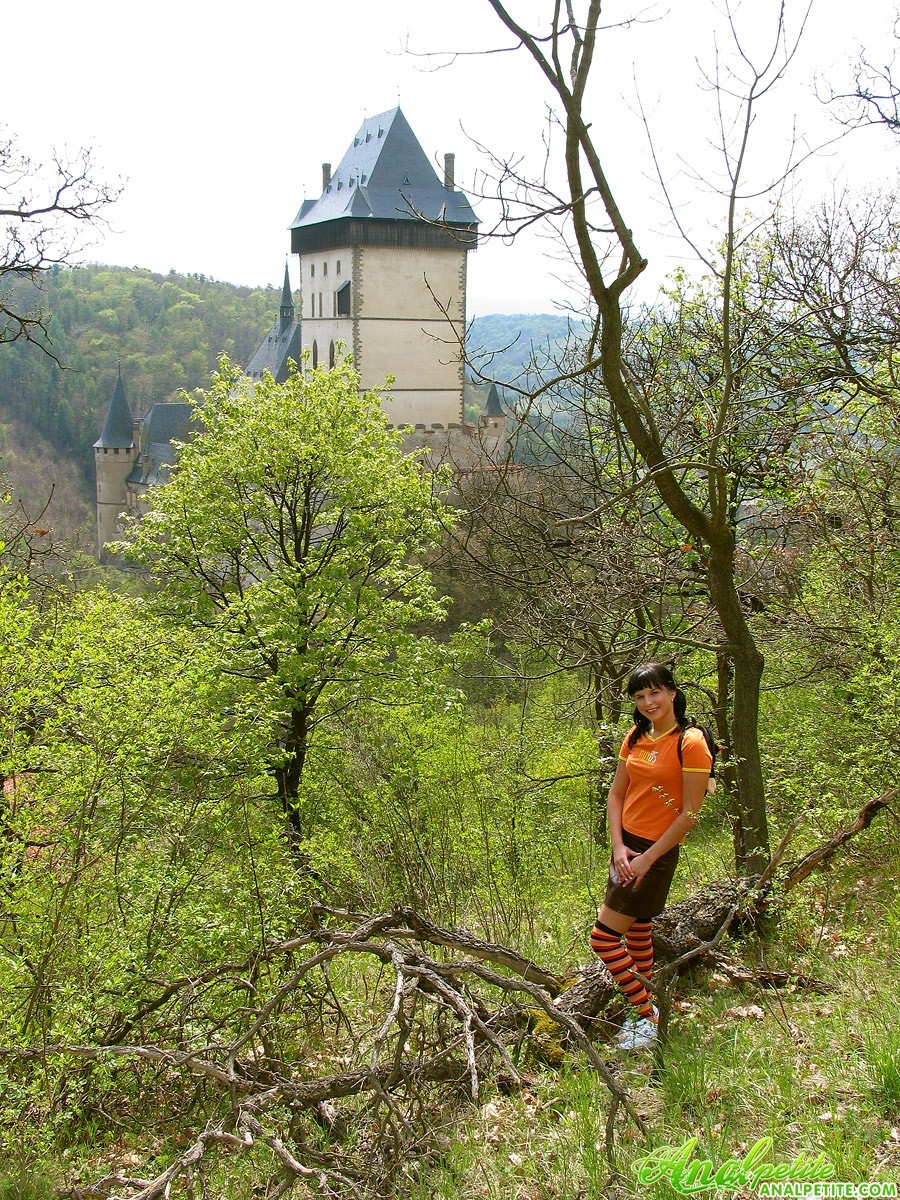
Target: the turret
(281, 345)
(286, 311)
(493, 421)
(114, 457)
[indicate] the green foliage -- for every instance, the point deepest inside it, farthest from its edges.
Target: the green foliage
(167, 333)
(477, 814)
(26, 1185)
(125, 784)
(292, 530)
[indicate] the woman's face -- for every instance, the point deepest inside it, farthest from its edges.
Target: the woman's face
(657, 704)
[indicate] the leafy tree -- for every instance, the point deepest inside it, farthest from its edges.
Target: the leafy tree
(127, 823)
(292, 529)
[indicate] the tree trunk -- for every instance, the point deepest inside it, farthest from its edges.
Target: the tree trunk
(752, 840)
(290, 772)
(728, 774)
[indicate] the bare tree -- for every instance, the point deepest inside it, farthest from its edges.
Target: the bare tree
(705, 393)
(46, 210)
(873, 98)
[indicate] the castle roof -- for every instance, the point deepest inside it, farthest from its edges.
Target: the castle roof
(162, 425)
(386, 175)
(281, 343)
(118, 428)
(494, 408)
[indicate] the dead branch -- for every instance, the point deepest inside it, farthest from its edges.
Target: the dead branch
(824, 853)
(416, 1030)
(440, 1031)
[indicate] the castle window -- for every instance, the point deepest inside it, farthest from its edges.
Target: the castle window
(337, 269)
(321, 309)
(324, 268)
(312, 270)
(315, 355)
(343, 299)
(331, 355)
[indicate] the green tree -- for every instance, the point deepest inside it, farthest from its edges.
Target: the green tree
(292, 528)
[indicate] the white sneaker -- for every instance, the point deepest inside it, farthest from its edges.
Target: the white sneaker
(639, 1034)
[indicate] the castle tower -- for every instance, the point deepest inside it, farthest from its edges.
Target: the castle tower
(114, 457)
(383, 270)
(493, 423)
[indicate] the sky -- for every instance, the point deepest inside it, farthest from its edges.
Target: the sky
(217, 118)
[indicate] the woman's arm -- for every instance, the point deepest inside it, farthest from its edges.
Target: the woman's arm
(693, 785)
(614, 804)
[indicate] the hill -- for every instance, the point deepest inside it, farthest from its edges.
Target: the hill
(511, 347)
(167, 332)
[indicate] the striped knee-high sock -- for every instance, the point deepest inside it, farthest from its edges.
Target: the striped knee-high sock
(607, 945)
(639, 941)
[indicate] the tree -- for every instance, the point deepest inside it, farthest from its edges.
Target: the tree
(689, 393)
(45, 211)
(579, 564)
(292, 529)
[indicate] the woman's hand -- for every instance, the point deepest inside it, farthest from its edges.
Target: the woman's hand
(623, 861)
(639, 866)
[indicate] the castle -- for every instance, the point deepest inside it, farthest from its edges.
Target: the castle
(382, 261)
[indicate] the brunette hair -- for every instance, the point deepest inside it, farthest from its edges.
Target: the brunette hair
(654, 675)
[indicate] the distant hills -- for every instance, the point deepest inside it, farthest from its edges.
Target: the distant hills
(509, 348)
(166, 331)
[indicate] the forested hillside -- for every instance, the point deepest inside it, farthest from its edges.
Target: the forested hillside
(167, 332)
(509, 347)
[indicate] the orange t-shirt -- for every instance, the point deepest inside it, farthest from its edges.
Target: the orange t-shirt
(654, 795)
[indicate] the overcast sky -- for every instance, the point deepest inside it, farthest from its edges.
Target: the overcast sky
(218, 117)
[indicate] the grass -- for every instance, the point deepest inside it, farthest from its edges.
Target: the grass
(882, 1053)
(816, 1073)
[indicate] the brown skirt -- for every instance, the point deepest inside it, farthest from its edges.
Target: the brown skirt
(648, 898)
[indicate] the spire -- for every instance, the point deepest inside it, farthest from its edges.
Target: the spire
(494, 408)
(118, 429)
(287, 300)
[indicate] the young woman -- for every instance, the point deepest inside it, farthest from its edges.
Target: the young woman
(653, 803)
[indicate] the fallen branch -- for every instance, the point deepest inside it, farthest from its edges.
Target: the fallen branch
(825, 852)
(420, 1028)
